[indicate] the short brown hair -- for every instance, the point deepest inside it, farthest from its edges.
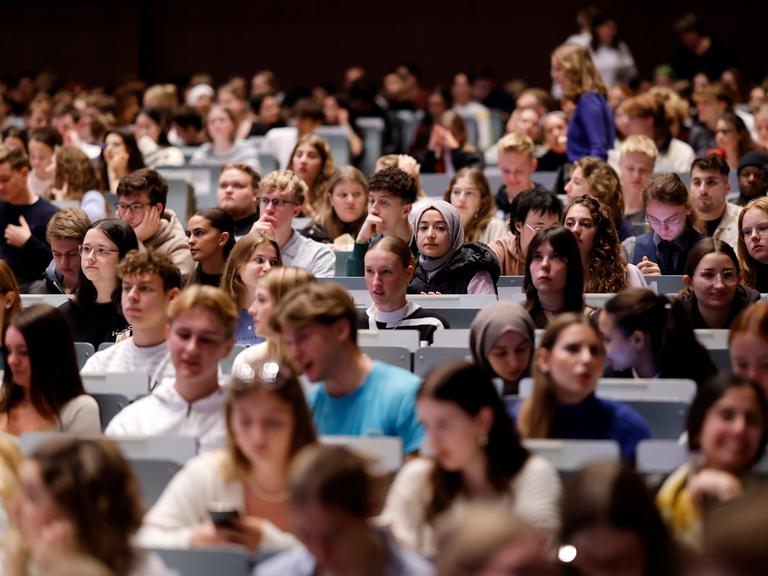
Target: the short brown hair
(214, 300)
(67, 224)
(287, 182)
(145, 180)
(670, 189)
(13, 156)
(150, 262)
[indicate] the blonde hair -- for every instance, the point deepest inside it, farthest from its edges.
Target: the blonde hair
(161, 96)
(746, 262)
(639, 144)
(580, 71)
(327, 216)
(518, 143)
(214, 300)
(286, 182)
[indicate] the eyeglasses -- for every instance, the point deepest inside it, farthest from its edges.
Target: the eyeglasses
(533, 229)
(276, 202)
(100, 251)
(671, 221)
(728, 277)
(132, 208)
(761, 230)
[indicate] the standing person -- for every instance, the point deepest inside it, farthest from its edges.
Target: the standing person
(238, 194)
(65, 232)
(591, 130)
(211, 239)
(23, 219)
(709, 191)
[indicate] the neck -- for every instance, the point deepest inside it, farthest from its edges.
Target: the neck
(633, 202)
(271, 477)
(149, 337)
(192, 390)
(283, 234)
(27, 198)
(367, 555)
(551, 302)
(222, 145)
(214, 264)
(349, 373)
(403, 230)
(474, 476)
(646, 366)
(715, 318)
(392, 306)
(104, 292)
(70, 284)
(572, 397)
(511, 196)
(716, 215)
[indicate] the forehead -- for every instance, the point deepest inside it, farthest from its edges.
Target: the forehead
(198, 221)
(63, 244)
(200, 319)
(539, 216)
(348, 186)
(277, 193)
(715, 260)
(142, 278)
(662, 208)
(383, 195)
(576, 333)
(579, 211)
(135, 196)
(264, 249)
(114, 139)
(380, 257)
(431, 216)
(636, 158)
(706, 174)
(96, 235)
(511, 159)
(234, 174)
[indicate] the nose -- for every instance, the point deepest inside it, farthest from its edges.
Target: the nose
(545, 262)
(267, 267)
(718, 280)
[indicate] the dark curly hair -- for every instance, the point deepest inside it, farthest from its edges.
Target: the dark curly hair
(395, 181)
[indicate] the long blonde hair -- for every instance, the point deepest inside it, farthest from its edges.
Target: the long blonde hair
(746, 262)
(580, 71)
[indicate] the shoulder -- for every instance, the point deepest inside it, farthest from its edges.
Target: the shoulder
(393, 378)
(625, 417)
(415, 473)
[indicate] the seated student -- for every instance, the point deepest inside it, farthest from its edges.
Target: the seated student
(341, 215)
(449, 148)
(753, 241)
(211, 239)
(753, 177)
(531, 211)
(562, 404)
(282, 196)
(249, 478)
(152, 126)
(727, 429)
(554, 277)
(748, 344)
(501, 339)
(119, 157)
(446, 265)
(637, 157)
(517, 163)
(94, 315)
(149, 282)
(470, 193)
(10, 297)
(478, 455)
(392, 193)
(709, 191)
(312, 161)
(42, 389)
(605, 269)
(42, 146)
(356, 396)
(674, 222)
(223, 148)
(65, 232)
(388, 270)
(646, 335)
(712, 293)
(76, 179)
(253, 256)
(238, 194)
(141, 202)
(201, 329)
(333, 498)
(23, 218)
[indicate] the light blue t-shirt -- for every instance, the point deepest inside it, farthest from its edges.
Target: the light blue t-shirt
(384, 405)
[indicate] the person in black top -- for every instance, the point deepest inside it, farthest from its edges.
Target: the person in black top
(238, 194)
(211, 239)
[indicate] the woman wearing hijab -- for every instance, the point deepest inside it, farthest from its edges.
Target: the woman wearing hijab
(501, 339)
(446, 265)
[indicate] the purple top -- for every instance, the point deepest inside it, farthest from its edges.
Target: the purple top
(590, 131)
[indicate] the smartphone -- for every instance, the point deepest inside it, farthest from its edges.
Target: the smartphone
(223, 514)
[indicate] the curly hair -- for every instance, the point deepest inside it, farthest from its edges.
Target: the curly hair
(317, 190)
(480, 219)
(394, 181)
(75, 169)
(580, 71)
(606, 267)
(604, 184)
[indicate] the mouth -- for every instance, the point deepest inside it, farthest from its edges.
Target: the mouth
(544, 278)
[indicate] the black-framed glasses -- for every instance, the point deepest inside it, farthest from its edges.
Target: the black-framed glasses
(265, 201)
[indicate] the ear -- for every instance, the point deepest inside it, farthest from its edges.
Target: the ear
(639, 339)
(223, 238)
(409, 271)
(686, 281)
(407, 209)
(518, 228)
(10, 298)
(341, 329)
(172, 293)
(534, 164)
(542, 360)
(484, 419)
(297, 210)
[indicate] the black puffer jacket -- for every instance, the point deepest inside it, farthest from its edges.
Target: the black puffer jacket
(454, 277)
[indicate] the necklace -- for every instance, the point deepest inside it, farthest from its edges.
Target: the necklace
(266, 495)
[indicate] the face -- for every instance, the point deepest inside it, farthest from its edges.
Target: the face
(436, 105)
(708, 112)
(144, 300)
(557, 71)
(635, 168)
(40, 156)
(709, 190)
(133, 207)
(204, 240)
(35, 506)
(313, 347)
(432, 236)
(761, 127)
(348, 200)
(113, 144)
(331, 110)
(279, 216)
(260, 311)
(145, 126)
(13, 184)
(749, 357)
(386, 279)
(579, 221)
(262, 427)
(307, 163)
(269, 113)
(391, 209)
(220, 125)
(621, 351)
(452, 434)
(730, 434)
(715, 281)
(752, 182)
(516, 170)
(18, 357)
(465, 195)
(236, 194)
(574, 363)
(330, 534)
(754, 229)
(461, 89)
(197, 340)
(555, 130)
(534, 221)
(603, 549)
(638, 126)
(667, 220)
(548, 269)
(99, 268)
(510, 356)
(66, 257)
(577, 185)
(263, 259)
(526, 122)
(726, 135)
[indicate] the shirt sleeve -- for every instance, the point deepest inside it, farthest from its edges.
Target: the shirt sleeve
(81, 416)
(355, 262)
(409, 428)
(594, 125)
(324, 265)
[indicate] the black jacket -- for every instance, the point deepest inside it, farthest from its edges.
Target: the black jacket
(455, 276)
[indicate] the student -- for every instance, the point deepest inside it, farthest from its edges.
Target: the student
(65, 232)
(201, 329)
(752, 244)
(281, 199)
(141, 202)
(211, 239)
(23, 217)
(517, 163)
(748, 344)
(709, 189)
(637, 158)
(446, 265)
(149, 282)
(42, 389)
(238, 194)
(76, 180)
(152, 125)
(10, 296)
(250, 475)
(567, 367)
(312, 161)
(477, 455)
(42, 146)
(753, 177)
(392, 193)
(119, 157)
(674, 222)
(531, 211)
(221, 125)
(470, 193)
(388, 270)
(356, 395)
(333, 500)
